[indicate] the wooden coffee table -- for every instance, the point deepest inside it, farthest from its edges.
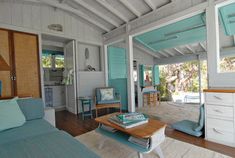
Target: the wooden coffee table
(154, 130)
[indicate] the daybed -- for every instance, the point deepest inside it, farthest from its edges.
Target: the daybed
(36, 138)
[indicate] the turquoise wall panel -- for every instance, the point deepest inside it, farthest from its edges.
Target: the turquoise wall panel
(227, 19)
(117, 69)
(186, 31)
(117, 62)
(121, 87)
(141, 75)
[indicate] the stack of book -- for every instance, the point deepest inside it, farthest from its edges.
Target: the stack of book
(144, 143)
(129, 120)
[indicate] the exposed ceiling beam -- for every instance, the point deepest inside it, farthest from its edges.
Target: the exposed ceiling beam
(142, 48)
(176, 49)
(168, 52)
(150, 4)
(76, 12)
(203, 47)
(190, 49)
(163, 54)
(113, 10)
(97, 12)
(129, 6)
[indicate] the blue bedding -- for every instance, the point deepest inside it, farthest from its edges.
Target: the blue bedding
(38, 139)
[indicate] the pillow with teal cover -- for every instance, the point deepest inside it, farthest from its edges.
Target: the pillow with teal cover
(10, 115)
(32, 108)
(201, 120)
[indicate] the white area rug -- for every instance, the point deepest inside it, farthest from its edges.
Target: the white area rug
(171, 148)
(170, 112)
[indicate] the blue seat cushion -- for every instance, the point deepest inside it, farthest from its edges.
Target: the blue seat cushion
(201, 120)
(32, 108)
(108, 101)
(187, 126)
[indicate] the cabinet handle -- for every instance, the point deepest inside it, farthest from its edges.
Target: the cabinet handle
(215, 130)
(216, 110)
(217, 97)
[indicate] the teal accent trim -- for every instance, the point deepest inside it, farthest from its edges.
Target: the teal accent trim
(190, 30)
(156, 75)
(227, 18)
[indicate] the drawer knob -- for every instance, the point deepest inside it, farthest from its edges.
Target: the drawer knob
(218, 111)
(217, 131)
(217, 97)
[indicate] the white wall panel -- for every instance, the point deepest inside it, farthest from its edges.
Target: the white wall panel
(17, 14)
(37, 17)
(27, 14)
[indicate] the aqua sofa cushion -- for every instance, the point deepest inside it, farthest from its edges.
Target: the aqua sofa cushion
(10, 115)
(187, 126)
(201, 120)
(32, 108)
(29, 129)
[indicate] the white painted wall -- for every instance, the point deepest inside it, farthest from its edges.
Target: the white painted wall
(94, 56)
(31, 17)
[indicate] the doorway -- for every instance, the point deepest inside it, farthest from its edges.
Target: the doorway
(59, 72)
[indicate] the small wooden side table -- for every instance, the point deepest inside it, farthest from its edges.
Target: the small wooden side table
(86, 101)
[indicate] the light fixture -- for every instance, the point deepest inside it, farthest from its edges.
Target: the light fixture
(3, 65)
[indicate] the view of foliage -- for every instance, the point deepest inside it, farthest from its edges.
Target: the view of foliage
(47, 61)
(227, 64)
(181, 77)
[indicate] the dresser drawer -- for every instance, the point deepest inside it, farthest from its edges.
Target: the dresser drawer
(222, 125)
(219, 98)
(220, 130)
(222, 111)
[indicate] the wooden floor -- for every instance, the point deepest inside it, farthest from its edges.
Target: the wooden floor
(76, 126)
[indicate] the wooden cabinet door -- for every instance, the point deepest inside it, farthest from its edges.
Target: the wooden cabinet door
(26, 58)
(5, 76)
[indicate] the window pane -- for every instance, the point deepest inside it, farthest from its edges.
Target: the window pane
(59, 61)
(46, 61)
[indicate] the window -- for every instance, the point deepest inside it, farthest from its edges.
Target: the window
(59, 61)
(52, 59)
(46, 61)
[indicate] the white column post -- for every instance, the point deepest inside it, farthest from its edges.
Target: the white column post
(199, 78)
(212, 41)
(130, 79)
(106, 71)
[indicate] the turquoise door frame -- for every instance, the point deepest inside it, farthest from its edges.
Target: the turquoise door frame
(117, 72)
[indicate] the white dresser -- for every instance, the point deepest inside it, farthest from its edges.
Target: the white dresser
(219, 114)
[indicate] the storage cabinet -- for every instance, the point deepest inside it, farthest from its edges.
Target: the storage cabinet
(219, 112)
(150, 98)
(20, 51)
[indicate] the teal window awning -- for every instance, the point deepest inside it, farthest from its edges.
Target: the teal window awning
(187, 31)
(51, 52)
(227, 19)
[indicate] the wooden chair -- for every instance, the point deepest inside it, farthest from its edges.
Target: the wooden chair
(102, 104)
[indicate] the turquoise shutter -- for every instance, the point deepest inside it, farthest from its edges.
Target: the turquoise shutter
(117, 63)
(156, 75)
(141, 75)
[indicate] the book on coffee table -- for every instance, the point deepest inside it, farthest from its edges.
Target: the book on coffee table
(127, 124)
